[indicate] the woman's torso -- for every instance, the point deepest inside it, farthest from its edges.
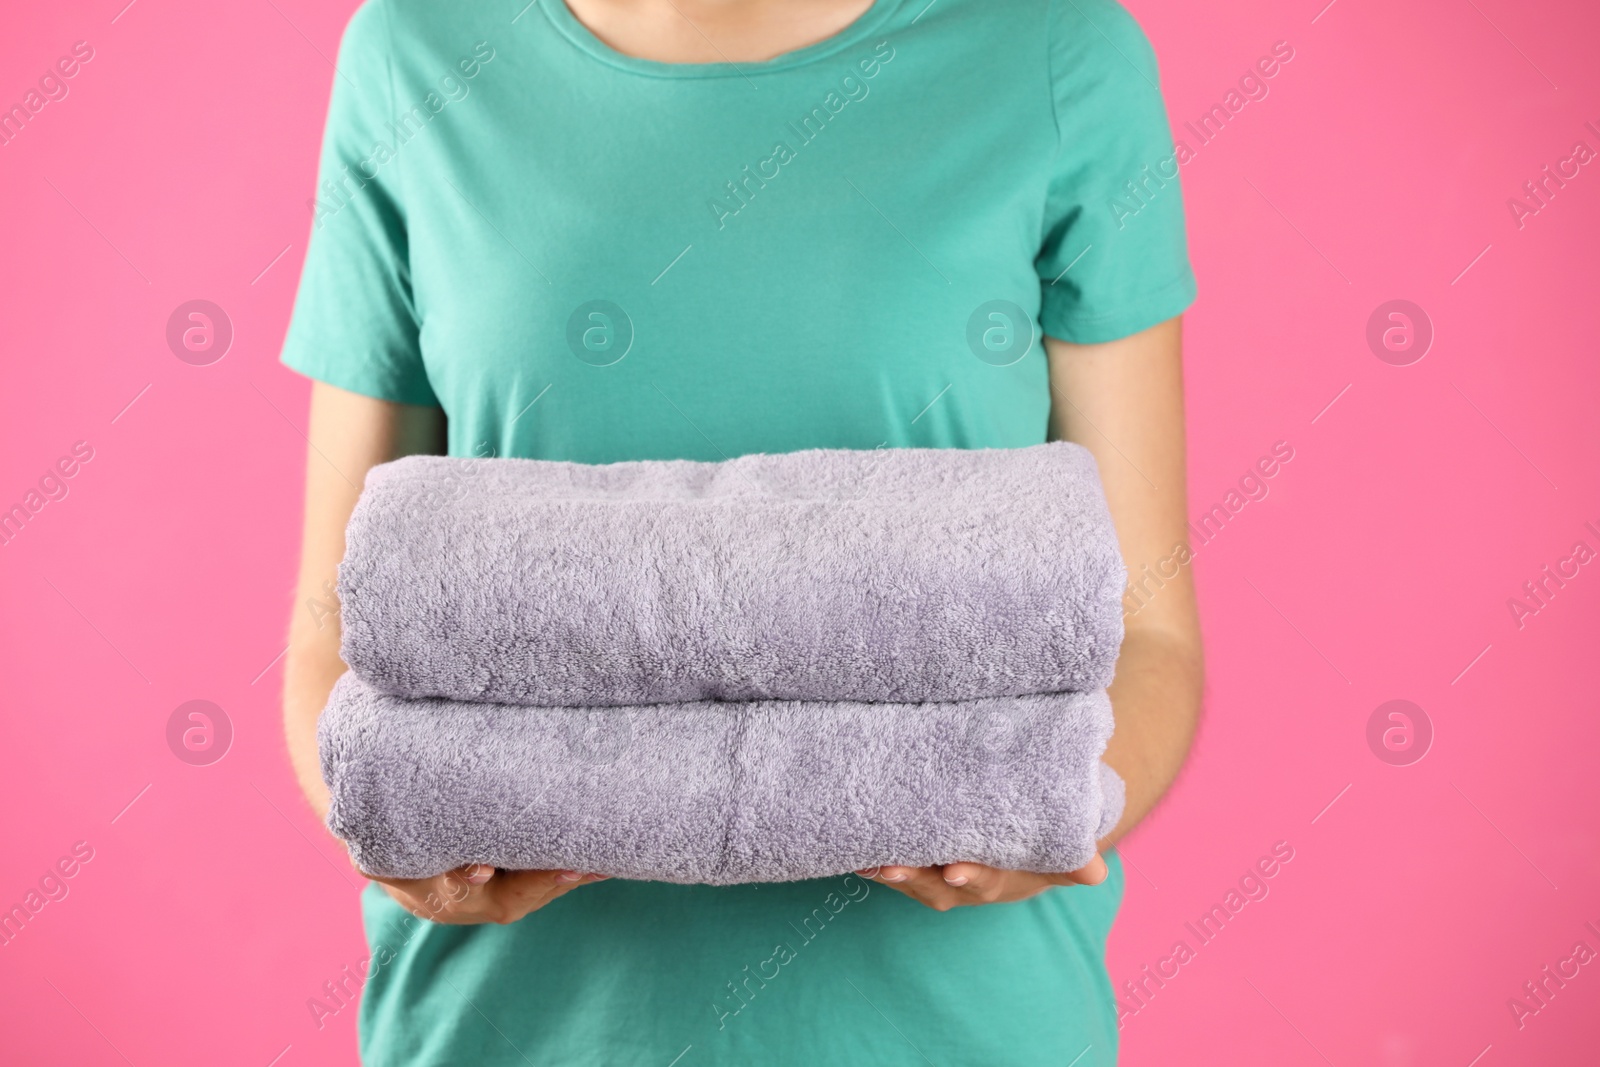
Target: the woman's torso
(608, 259)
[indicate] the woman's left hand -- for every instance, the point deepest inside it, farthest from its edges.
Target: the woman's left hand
(956, 884)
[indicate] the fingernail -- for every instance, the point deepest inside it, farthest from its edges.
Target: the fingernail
(956, 881)
(869, 872)
(568, 876)
(480, 874)
(895, 877)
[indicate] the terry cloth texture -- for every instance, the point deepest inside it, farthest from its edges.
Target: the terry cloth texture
(717, 792)
(897, 575)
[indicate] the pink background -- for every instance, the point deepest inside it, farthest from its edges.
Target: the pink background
(1378, 568)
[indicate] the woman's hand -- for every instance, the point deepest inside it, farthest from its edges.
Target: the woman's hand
(958, 884)
(482, 894)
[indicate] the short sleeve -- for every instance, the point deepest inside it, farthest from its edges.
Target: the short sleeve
(355, 323)
(1114, 259)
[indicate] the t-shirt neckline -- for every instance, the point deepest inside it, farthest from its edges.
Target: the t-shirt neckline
(867, 23)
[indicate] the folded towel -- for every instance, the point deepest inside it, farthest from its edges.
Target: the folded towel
(714, 792)
(898, 575)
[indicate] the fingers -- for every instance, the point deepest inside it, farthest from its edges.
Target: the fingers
(961, 884)
(1092, 873)
(453, 897)
(482, 894)
(982, 884)
(516, 893)
(925, 885)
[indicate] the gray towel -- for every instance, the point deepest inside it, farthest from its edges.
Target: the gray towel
(897, 575)
(717, 792)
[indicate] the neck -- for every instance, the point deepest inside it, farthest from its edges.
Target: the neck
(714, 31)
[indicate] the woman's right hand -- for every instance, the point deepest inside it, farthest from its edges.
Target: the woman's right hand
(482, 894)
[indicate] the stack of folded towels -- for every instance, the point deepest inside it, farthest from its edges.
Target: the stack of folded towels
(771, 668)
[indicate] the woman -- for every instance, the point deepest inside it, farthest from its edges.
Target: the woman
(607, 230)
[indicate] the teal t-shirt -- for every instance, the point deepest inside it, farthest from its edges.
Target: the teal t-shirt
(585, 256)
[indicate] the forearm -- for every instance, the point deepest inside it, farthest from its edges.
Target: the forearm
(1123, 401)
(312, 663)
(349, 434)
(1155, 699)
(311, 667)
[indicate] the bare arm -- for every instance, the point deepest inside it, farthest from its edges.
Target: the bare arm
(349, 435)
(1123, 401)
